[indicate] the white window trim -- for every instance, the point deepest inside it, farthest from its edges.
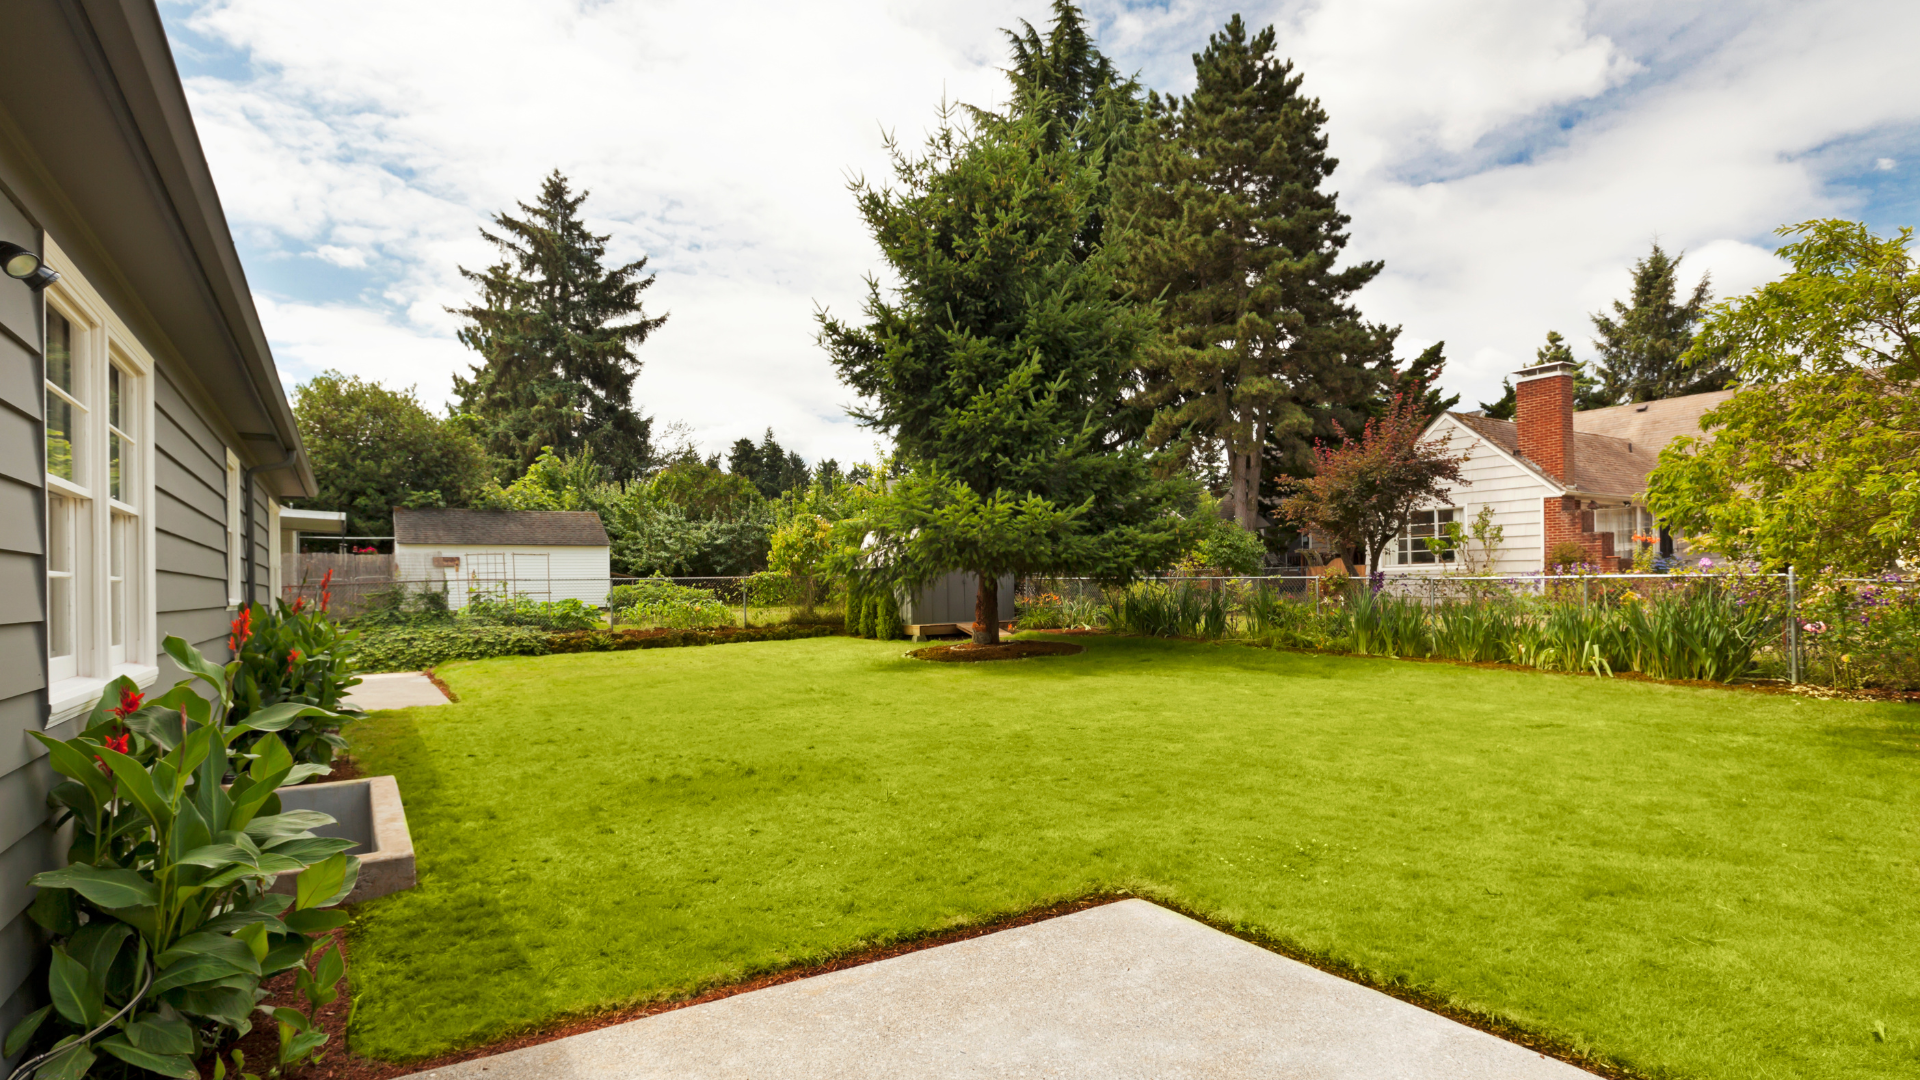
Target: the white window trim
(234, 540)
(1405, 544)
(106, 340)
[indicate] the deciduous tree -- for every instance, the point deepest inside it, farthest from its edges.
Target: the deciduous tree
(374, 449)
(1363, 489)
(1817, 462)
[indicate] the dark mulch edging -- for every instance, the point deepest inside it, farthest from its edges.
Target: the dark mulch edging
(440, 685)
(341, 1064)
(580, 641)
(967, 652)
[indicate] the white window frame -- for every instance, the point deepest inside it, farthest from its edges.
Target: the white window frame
(99, 521)
(1410, 545)
(235, 545)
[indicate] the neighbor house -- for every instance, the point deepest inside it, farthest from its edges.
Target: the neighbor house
(538, 554)
(1553, 476)
(145, 441)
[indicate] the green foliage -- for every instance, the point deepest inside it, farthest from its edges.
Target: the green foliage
(1858, 634)
(625, 640)
(799, 552)
(772, 470)
(374, 449)
(658, 602)
(1647, 347)
(1420, 381)
(1567, 556)
(299, 654)
(162, 927)
(998, 366)
(412, 648)
(1188, 609)
(1820, 468)
(1363, 490)
(1219, 545)
(1228, 223)
(875, 614)
(551, 615)
(691, 519)
(556, 332)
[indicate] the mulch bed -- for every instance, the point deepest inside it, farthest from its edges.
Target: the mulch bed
(967, 652)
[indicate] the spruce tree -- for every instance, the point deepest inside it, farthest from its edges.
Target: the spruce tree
(1417, 382)
(556, 330)
(1228, 222)
(1643, 344)
(996, 364)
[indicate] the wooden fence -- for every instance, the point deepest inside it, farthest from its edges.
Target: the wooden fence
(355, 577)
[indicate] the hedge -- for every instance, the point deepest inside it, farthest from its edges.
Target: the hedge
(411, 648)
(621, 640)
(407, 648)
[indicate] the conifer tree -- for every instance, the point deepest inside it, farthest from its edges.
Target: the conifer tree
(1227, 221)
(1643, 344)
(1417, 383)
(995, 364)
(556, 331)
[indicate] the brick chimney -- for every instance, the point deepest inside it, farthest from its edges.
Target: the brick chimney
(1543, 397)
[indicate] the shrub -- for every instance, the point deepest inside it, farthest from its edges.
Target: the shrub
(799, 552)
(1176, 609)
(1568, 555)
(623, 640)
(161, 923)
(411, 648)
(292, 652)
(659, 602)
(1045, 611)
(550, 615)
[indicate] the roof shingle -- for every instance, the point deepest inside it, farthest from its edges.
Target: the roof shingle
(1613, 448)
(501, 528)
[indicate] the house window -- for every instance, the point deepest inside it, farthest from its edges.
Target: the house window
(233, 530)
(1421, 526)
(99, 586)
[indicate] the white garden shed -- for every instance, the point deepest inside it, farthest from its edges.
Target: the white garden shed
(537, 554)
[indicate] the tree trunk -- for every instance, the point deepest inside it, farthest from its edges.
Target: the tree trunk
(1243, 479)
(986, 610)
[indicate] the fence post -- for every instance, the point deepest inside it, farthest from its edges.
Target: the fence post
(1793, 627)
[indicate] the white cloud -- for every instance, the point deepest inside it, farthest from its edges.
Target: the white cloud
(1885, 164)
(1506, 158)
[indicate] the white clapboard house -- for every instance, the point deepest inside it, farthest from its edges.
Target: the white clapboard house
(537, 554)
(1553, 475)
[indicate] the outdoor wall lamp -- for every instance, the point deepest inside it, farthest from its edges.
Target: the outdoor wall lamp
(19, 263)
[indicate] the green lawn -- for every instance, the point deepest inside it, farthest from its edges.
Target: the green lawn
(1698, 883)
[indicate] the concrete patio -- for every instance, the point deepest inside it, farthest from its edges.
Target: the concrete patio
(395, 690)
(1120, 991)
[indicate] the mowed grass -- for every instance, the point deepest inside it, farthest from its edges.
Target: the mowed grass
(1694, 882)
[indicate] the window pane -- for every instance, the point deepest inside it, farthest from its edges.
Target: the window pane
(113, 396)
(59, 436)
(117, 578)
(115, 453)
(60, 563)
(59, 351)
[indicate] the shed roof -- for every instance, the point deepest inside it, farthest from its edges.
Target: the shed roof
(500, 528)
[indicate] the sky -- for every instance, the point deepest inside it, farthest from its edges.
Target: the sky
(1507, 160)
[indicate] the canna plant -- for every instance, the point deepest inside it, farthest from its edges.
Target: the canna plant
(162, 924)
(294, 652)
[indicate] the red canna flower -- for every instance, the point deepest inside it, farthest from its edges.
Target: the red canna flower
(130, 702)
(118, 743)
(242, 629)
(298, 603)
(326, 593)
(292, 659)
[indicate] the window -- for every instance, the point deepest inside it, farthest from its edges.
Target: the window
(98, 491)
(1421, 526)
(233, 530)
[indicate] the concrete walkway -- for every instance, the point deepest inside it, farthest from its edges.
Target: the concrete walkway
(395, 690)
(1121, 991)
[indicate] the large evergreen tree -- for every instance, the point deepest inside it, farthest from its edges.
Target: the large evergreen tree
(996, 364)
(770, 468)
(556, 330)
(1418, 382)
(1228, 221)
(1643, 344)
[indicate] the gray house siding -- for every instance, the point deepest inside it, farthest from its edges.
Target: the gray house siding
(27, 844)
(190, 525)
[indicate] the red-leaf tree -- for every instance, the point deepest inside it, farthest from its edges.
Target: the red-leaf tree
(1363, 490)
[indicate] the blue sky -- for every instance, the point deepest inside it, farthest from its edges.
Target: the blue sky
(1506, 159)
